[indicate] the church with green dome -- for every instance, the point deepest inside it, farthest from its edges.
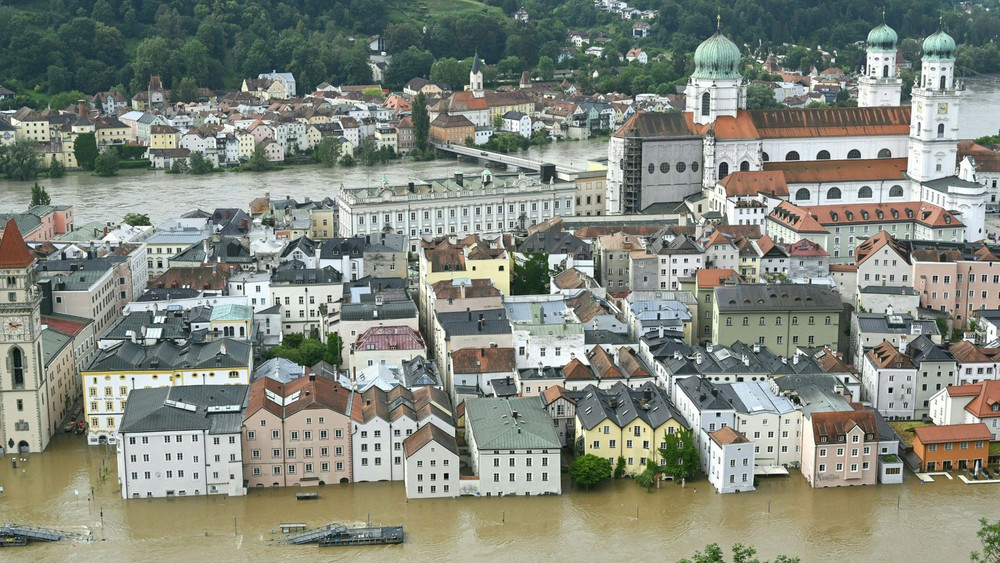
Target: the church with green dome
(704, 158)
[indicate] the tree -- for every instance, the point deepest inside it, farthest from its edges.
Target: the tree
(450, 72)
(334, 350)
(498, 121)
(19, 161)
(647, 478)
(199, 164)
(620, 467)
(327, 152)
(411, 63)
(741, 554)
(760, 96)
(680, 455)
(989, 537)
(546, 67)
(589, 470)
(179, 166)
(421, 122)
(56, 169)
(258, 160)
(137, 220)
(373, 92)
(39, 196)
(106, 163)
(532, 276)
(85, 150)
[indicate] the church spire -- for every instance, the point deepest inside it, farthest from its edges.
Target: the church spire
(14, 252)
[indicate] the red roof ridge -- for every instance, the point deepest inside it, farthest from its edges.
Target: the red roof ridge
(14, 253)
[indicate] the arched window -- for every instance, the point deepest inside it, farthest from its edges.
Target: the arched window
(723, 170)
(744, 166)
(795, 320)
(833, 193)
(802, 194)
(777, 321)
(812, 320)
(765, 157)
(885, 153)
(706, 102)
(828, 319)
(940, 130)
(651, 168)
(17, 366)
(729, 321)
(896, 191)
(746, 321)
(854, 153)
(885, 71)
(944, 82)
(865, 192)
(761, 322)
(823, 155)
(792, 155)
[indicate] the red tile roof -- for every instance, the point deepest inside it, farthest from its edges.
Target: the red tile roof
(14, 253)
(712, 277)
(390, 338)
(953, 433)
(885, 355)
(312, 393)
(726, 435)
(483, 360)
(805, 248)
(755, 182)
(812, 171)
(835, 425)
(967, 390)
(988, 396)
(831, 122)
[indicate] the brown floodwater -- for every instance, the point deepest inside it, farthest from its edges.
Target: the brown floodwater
(934, 521)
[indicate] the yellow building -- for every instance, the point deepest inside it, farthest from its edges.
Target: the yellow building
(323, 222)
(247, 142)
(110, 131)
(163, 137)
(471, 258)
(626, 423)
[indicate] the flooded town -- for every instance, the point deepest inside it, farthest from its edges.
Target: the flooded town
(652, 303)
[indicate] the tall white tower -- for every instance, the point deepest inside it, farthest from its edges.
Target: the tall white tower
(716, 88)
(476, 77)
(880, 84)
(934, 117)
(24, 414)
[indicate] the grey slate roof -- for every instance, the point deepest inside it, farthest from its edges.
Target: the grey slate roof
(185, 408)
(371, 311)
(278, 369)
(557, 243)
(601, 336)
(162, 325)
(889, 290)
(302, 276)
(420, 372)
(622, 405)
(167, 355)
(781, 297)
(881, 323)
(923, 349)
(494, 321)
(168, 293)
(704, 394)
(495, 427)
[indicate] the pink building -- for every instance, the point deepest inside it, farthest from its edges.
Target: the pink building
(42, 222)
(298, 433)
(840, 449)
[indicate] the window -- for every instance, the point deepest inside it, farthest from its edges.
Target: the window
(854, 154)
(940, 128)
(885, 153)
(823, 155)
(833, 193)
(802, 194)
(792, 155)
(865, 192)
(706, 104)
(723, 170)
(896, 191)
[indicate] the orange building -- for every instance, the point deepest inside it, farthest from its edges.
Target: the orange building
(454, 129)
(953, 446)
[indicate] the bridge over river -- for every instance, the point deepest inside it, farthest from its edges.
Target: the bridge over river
(497, 158)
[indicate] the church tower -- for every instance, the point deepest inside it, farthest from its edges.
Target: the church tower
(880, 84)
(716, 88)
(24, 412)
(476, 77)
(934, 116)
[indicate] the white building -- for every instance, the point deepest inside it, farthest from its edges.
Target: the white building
(731, 461)
(888, 380)
(431, 464)
(769, 420)
(181, 441)
(513, 447)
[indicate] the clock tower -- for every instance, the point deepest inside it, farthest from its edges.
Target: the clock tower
(934, 115)
(25, 424)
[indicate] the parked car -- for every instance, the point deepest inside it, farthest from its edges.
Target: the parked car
(993, 208)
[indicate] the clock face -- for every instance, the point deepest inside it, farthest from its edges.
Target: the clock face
(942, 108)
(13, 328)
(920, 107)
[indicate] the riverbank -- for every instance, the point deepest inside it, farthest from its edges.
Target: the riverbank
(933, 520)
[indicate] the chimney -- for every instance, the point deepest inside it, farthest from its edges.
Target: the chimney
(709, 348)
(458, 179)
(481, 325)
(81, 108)
(795, 359)
(461, 290)
(660, 331)
(222, 349)
(903, 344)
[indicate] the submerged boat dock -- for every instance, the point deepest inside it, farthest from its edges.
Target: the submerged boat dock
(340, 535)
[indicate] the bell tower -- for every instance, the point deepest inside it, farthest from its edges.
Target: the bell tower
(880, 84)
(934, 118)
(25, 424)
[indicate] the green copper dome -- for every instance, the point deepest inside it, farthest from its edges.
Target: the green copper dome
(882, 38)
(717, 57)
(939, 46)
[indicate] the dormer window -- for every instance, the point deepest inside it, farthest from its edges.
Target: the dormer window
(996, 407)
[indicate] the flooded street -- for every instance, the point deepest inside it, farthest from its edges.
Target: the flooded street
(935, 521)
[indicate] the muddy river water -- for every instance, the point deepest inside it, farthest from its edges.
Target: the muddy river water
(911, 522)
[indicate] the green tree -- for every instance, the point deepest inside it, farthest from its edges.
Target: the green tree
(347, 161)
(421, 122)
(106, 163)
(497, 121)
(761, 96)
(989, 537)
(311, 352)
(741, 554)
(56, 169)
(532, 276)
(411, 63)
(373, 92)
(179, 166)
(680, 455)
(186, 91)
(546, 67)
(39, 196)
(258, 160)
(19, 161)
(451, 72)
(620, 467)
(85, 150)
(334, 349)
(327, 152)
(137, 220)
(647, 478)
(589, 470)
(199, 164)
